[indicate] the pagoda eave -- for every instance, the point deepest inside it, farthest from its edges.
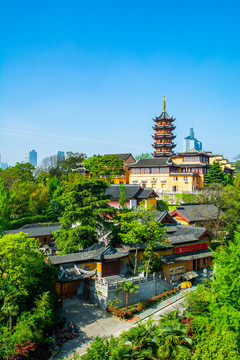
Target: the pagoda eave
(161, 127)
(163, 136)
(162, 154)
(156, 119)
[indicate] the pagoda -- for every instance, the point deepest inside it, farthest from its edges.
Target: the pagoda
(163, 134)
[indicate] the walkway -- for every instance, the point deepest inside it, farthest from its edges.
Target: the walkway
(91, 321)
(164, 304)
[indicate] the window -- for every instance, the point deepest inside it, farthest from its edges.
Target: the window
(144, 184)
(190, 158)
(175, 178)
(154, 170)
(205, 262)
(164, 170)
(174, 188)
(135, 171)
(145, 170)
(185, 179)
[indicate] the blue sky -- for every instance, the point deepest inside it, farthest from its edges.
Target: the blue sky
(89, 76)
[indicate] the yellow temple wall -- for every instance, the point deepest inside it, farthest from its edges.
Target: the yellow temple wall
(156, 181)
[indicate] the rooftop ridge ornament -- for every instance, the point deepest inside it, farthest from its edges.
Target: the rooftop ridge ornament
(164, 104)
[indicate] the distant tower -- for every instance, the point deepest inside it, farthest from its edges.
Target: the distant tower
(60, 155)
(31, 157)
(163, 136)
(190, 142)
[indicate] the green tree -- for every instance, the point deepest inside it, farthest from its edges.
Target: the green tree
(172, 340)
(129, 287)
(137, 343)
(142, 226)
(107, 166)
(100, 349)
(25, 267)
(23, 172)
(5, 206)
(10, 296)
(215, 175)
(237, 164)
(39, 200)
(123, 197)
(21, 193)
(214, 307)
(71, 162)
(86, 212)
(146, 155)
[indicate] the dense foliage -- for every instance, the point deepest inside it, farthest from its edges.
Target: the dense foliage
(106, 166)
(86, 213)
(27, 294)
(142, 226)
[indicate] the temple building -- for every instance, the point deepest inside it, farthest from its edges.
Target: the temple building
(163, 134)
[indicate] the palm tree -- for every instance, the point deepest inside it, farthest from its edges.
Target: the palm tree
(137, 343)
(171, 338)
(10, 296)
(129, 287)
(171, 315)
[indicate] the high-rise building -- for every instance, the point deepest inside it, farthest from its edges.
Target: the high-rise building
(57, 157)
(163, 134)
(190, 142)
(60, 155)
(31, 157)
(3, 165)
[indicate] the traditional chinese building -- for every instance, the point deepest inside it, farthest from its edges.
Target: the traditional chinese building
(163, 134)
(135, 195)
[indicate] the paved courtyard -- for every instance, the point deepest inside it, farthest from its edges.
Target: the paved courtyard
(90, 321)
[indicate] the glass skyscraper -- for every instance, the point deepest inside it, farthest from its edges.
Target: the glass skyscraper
(31, 157)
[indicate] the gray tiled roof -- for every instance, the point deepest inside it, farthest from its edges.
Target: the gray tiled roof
(171, 259)
(161, 215)
(36, 229)
(198, 212)
(132, 191)
(176, 234)
(192, 164)
(101, 252)
(153, 162)
(183, 233)
(190, 153)
(165, 116)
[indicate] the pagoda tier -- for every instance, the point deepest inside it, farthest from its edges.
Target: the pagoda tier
(163, 134)
(162, 145)
(164, 127)
(164, 117)
(162, 154)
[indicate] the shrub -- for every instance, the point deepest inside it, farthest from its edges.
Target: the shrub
(125, 313)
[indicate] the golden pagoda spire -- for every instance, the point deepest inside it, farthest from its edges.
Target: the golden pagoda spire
(164, 104)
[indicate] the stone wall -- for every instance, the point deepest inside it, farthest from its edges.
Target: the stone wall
(102, 292)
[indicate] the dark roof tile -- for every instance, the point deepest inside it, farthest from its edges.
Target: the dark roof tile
(171, 259)
(36, 229)
(153, 162)
(197, 212)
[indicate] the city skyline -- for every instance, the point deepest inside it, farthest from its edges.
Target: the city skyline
(90, 77)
